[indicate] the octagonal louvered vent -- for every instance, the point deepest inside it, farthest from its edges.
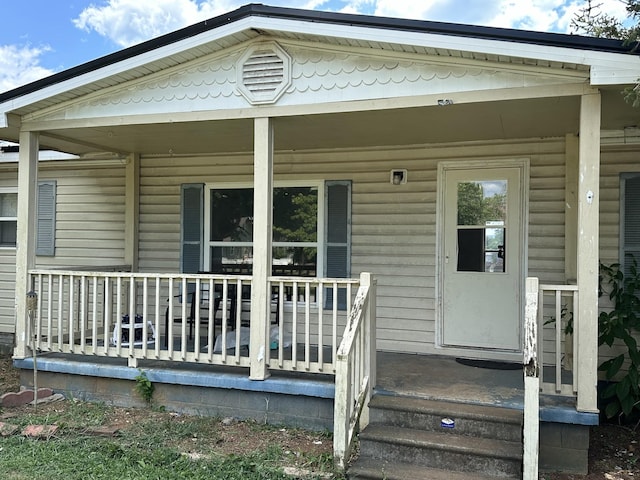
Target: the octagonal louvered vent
(263, 73)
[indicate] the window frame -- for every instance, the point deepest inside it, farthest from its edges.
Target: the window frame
(319, 244)
(10, 219)
(623, 248)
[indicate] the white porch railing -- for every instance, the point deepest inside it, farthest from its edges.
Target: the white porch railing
(557, 333)
(356, 371)
(198, 318)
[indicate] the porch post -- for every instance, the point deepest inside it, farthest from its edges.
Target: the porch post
(572, 151)
(26, 233)
(132, 211)
(588, 252)
(262, 226)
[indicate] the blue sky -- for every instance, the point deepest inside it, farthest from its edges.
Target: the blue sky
(41, 37)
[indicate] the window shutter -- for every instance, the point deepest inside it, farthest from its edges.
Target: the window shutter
(630, 222)
(338, 237)
(191, 227)
(46, 219)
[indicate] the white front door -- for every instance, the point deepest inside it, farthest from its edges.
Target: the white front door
(482, 258)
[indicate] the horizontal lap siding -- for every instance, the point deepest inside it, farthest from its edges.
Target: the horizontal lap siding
(8, 178)
(614, 161)
(393, 227)
(90, 208)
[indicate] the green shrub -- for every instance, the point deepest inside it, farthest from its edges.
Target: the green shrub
(621, 398)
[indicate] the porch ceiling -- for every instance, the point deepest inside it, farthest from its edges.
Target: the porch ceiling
(467, 122)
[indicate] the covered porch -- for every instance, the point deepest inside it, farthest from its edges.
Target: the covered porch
(376, 137)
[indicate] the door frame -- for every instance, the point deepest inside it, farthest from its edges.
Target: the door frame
(523, 164)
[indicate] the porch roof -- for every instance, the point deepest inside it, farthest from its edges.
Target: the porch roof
(252, 20)
(603, 61)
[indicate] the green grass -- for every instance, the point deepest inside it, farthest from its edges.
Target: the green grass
(147, 448)
(92, 458)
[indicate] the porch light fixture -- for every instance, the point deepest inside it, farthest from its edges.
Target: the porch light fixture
(398, 177)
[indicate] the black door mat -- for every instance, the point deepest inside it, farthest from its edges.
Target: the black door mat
(491, 364)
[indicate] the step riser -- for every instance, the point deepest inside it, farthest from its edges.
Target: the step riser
(432, 422)
(442, 459)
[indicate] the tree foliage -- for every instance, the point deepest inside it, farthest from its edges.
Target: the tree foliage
(591, 20)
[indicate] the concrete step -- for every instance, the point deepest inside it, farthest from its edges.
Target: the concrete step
(422, 414)
(443, 451)
(371, 469)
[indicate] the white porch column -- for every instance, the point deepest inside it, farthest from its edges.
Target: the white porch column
(132, 211)
(588, 252)
(26, 233)
(572, 156)
(262, 236)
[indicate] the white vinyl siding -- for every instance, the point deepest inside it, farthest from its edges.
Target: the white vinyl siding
(8, 180)
(393, 231)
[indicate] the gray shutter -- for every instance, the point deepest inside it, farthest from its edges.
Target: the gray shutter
(630, 221)
(338, 236)
(46, 218)
(191, 227)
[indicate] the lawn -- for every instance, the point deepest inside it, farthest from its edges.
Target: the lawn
(95, 441)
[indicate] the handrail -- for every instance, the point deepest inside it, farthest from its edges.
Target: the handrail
(355, 372)
(531, 434)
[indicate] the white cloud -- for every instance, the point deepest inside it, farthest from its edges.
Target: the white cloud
(127, 22)
(20, 65)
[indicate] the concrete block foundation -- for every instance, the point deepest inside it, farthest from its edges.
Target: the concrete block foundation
(564, 448)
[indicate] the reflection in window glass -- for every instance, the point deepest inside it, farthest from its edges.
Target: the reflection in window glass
(482, 202)
(232, 215)
(481, 226)
(295, 231)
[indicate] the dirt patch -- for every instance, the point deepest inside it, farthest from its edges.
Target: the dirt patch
(614, 454)
(614, 451)
(9, 376)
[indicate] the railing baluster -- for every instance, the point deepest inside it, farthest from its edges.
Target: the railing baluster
(307, 328)
(320, 326)
(82, 301)
(49, 311)
(157, 318)
(558, 325)
(90, 308)
(94, 317)
(294, 325)
(183, 337)
(108, 304)
(118, 335)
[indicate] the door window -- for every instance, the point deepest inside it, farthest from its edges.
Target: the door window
(482, 212)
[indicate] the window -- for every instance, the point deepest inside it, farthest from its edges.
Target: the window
(45, 221)
(8, 217)
(311, 229)
(481, 226)
(629, 220)
(229, 246)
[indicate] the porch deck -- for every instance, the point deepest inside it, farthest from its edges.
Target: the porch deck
(443, 378)
(424, 376)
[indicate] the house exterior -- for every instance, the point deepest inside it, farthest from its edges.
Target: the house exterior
(285, 159)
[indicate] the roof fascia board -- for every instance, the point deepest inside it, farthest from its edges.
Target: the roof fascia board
(592, 58)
